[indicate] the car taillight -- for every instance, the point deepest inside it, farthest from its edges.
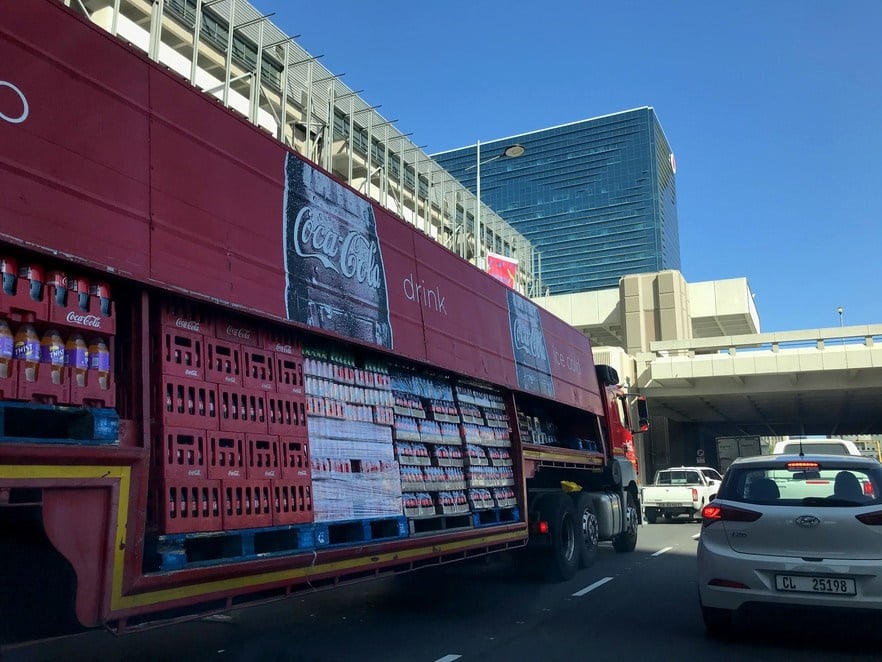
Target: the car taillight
(868, 489)
(694, 494)
(716, 513)
(873, 519)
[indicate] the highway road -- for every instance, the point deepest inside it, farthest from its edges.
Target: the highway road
(640, 606)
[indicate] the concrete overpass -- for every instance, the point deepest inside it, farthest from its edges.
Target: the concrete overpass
(695, 351)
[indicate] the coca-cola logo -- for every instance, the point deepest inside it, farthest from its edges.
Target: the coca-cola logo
(191, 373)
(189, 325)
(194, 472)
(84, 320)
(21, 98)
(285, 349)
(528, 339)
(354, 256)
(234, 332)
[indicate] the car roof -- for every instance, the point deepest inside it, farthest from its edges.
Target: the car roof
(856, 460)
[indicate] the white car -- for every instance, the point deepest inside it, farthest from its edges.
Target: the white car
(825, 446)
(797, 530)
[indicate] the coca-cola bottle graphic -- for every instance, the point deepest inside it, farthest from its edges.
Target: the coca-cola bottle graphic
(528, 344)
(334, 268)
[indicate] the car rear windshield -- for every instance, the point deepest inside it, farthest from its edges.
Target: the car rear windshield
(821, 449)
(824, 484)
(677, 478)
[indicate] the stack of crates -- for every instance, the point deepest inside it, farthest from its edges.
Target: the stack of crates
(75, 308)
(231, 449)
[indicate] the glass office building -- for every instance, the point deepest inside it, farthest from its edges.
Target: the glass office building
(596, 198)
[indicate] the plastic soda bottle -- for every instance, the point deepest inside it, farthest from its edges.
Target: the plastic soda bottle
(6, 344)
(101, 290)
(26, 348)
(76, 357)
(57, 280)
(52, 354)
(99, 361)
(34, 274)
(80, 285)
(9, 270)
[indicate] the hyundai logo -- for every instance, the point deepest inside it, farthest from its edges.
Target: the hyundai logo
(807, 521)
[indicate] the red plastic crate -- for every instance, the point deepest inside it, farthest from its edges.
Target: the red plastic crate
(20, 307)
(294, 458)
(263, 456)
(292, 502)
(283, 341)
(241, 409)
(289, 373)
(233, 329)
(226, 456)
(185, 315)
(287, 414)
(247, 505)
(91, 393)
(9, 384)
(188, 505)
(223, 361)
(41, 388)
(88, 321)
(260, 369)
(181, 353)
(180, 453)
(187, 403)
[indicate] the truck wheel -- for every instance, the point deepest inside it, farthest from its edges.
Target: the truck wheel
(589, 528)
(627, 540)
(651, 515)
(562, 560)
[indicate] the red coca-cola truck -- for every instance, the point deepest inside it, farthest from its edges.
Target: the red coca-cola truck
(269, 381)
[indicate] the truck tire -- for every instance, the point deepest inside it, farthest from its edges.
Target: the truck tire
(627, 540)
(562, 560)
(651, 515)
(589, 528)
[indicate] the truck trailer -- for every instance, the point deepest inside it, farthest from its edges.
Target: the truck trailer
(226, 376)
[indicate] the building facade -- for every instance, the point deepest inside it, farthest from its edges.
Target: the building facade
(596, 198)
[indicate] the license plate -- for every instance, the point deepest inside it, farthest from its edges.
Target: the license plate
(803, 584)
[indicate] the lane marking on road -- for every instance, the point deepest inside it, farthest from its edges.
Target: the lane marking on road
(448, 658)
(696, 536)
(662, 551)
(598, 583)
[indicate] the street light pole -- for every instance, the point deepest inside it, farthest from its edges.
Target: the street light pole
(511, 152)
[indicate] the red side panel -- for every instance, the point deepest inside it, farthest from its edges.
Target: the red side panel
(74, 174)
(121, 164)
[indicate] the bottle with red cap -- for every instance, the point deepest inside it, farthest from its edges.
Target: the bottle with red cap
(9, 271)
(57, 281)
(80, 285)
(33, 273)
(101, 290)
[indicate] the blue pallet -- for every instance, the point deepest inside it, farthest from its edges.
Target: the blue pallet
(334, 534)
(182, 551)
(494, 516)
(76, 425)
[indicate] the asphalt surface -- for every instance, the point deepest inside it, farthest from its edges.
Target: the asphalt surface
(641, 606)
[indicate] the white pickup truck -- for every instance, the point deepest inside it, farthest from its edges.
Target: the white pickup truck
(679, 491)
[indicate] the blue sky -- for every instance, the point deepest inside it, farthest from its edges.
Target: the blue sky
(773, 110)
